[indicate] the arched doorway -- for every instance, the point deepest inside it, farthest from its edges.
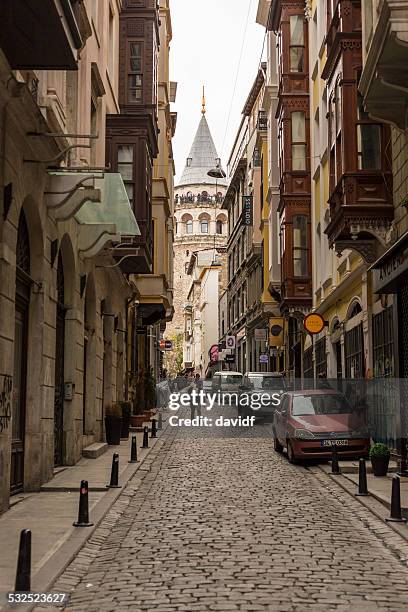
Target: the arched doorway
(22, 304)
(59, 366)
(89, 363)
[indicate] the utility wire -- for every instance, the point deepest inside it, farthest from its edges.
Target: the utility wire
(236, 76)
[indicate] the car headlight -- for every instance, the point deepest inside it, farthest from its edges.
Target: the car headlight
(303, 434)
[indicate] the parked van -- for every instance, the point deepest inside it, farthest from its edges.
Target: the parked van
(228, 383)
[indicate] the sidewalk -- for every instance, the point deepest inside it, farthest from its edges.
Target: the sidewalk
(379, 488)
(49, 514)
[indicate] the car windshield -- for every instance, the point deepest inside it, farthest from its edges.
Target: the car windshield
(265, 382)
(229, 380)
(320, 404)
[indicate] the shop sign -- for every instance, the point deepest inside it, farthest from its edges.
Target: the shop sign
(263, 358)
(276, 331)
(230, 342)
(261, 335)
(390, 270)
(229, 358)
(247, 210)
(313, 323)
(166, 345)
(213, 352)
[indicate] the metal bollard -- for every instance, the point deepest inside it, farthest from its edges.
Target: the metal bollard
(83, 511)
(335, 462)
(133, 451)
(23, 573)
(362, 479)
(145, 437)
(160, 421)
(114, 480)
(396, 516)
(154, 429)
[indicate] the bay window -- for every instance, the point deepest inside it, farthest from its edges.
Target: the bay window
(368, 140)
(125, 167)
(298, 141)
(300, 246)
(297, 44)
(135, 76)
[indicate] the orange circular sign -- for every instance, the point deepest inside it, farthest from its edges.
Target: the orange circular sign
(313, 323)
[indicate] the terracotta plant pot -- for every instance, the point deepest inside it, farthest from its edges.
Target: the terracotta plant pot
(380, 465)
(137, 420)
(113, 428)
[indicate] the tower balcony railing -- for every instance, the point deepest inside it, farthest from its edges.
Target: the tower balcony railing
(199, 199)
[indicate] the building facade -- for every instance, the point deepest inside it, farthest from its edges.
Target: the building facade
(78, 121)
(250, 259)
(200, 225)
(207, 271)
(341, 132)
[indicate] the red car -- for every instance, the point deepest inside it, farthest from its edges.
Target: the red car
(310, 422)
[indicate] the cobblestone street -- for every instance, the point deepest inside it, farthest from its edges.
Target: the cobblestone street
(221, 522)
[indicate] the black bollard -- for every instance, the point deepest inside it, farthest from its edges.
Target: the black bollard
(133, 451)
(145, 437)
(154, 429)
(335, 462)
(23, 573)
(160, 421)
(362, 479)
(83, 512)
(114, 480)
(396, 516)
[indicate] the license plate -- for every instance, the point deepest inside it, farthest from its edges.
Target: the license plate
(334, 443)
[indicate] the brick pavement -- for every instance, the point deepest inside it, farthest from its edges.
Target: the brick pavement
(216, 522)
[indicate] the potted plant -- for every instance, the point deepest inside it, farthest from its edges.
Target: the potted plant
(150, 390)
(113, 423)
(126, 413)
(380, 458)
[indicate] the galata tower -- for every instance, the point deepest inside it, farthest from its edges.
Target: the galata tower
(200, 224)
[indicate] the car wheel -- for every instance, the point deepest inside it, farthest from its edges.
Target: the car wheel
(276, 444)
(291, 454)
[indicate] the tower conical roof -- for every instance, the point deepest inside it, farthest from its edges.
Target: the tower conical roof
(203, 157)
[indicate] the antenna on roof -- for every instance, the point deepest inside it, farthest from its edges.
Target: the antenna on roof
(203, 103)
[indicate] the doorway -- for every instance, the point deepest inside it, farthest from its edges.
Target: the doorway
(59, 367)
(22, 304)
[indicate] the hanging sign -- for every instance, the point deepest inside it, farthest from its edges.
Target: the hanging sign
(313, 323)
(230, 342)
(276, 331)
(247, 210)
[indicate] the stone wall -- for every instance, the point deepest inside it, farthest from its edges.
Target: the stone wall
(400, 179)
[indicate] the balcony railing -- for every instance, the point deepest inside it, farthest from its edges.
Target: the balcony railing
(199, 199)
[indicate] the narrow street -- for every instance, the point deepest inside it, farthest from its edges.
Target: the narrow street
(218, 521)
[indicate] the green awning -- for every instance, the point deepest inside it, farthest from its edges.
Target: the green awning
(114, 207)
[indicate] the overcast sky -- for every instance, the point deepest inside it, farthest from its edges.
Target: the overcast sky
(205, 50)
